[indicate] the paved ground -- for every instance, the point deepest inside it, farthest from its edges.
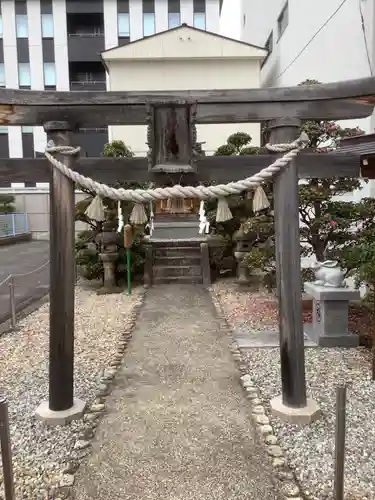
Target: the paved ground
(178, 425)
(23, 258)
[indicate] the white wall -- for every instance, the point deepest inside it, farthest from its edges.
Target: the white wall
(187, 12)
(213, 16)
(36, 62)
(161, 15)
(61, 44)
(35, 203)
(11, 69)
(185, 75)
(331, 56)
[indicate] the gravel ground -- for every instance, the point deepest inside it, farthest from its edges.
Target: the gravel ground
(309, 450)
(40, 452)
(238, 304)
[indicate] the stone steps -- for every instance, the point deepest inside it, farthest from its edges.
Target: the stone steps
(176, 271)
(179, 280)
(180, 259)
(176, 261)
(176, 242)
(177, 252)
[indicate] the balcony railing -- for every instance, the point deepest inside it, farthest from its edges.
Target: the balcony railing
(88, 85)
(87, 34)
(13, 224)
(85, 46)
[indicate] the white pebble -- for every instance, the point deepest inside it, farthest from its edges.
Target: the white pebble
(41, 452)
(81, 444)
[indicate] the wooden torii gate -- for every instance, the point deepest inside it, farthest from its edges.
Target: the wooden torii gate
(61, 113)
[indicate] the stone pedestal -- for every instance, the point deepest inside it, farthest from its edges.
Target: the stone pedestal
(109, 283)
(243, 274)
(330, 316)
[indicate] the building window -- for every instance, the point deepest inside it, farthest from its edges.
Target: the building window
(2, 75)
(200, 20)
(148, 23)
(27, 130)
(1, 26)
(269, 43)
(283, 19)
(49, 74)
(21, 26)
(174, 20)
(47, 26)
(24, 77)
(174, 13)
(123, 24)
(27, 142)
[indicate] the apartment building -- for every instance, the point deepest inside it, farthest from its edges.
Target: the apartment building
(324, 40)
(56, 44)
(327, 41)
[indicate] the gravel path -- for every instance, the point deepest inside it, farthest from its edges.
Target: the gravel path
(178, 424)
(309, 450)
(39, 451)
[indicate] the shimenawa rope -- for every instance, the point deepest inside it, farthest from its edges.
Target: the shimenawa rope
(202, 192)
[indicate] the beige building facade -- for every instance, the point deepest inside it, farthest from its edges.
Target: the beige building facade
(184, 58)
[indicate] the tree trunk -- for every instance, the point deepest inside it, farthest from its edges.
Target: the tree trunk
(318, 247)
(316, 241)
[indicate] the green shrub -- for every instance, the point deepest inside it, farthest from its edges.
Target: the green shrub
(88, 247)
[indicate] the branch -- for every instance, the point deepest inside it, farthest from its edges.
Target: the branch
(304, 217)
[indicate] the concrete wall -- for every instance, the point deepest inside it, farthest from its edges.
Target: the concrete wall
(35, 203)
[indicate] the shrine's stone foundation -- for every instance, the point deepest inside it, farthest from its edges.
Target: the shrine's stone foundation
(172, 227)
(330, 316)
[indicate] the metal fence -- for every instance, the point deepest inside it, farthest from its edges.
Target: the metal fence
(13, 224)
(18, 291)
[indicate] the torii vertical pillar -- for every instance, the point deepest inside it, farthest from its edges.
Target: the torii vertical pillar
(61, 406)
(293, 405)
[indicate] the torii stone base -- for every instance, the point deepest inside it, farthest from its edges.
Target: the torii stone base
(53, 418)
(298, 416)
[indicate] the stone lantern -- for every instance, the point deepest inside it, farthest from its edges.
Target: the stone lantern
(244, 243)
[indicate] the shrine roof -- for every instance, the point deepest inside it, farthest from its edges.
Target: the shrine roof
(359, 145)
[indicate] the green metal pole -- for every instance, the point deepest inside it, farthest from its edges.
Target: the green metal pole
(129, 267)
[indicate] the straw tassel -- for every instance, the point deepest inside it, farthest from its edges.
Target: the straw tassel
(150, 224)
(138, 215)
(120, 217)
(95, 210)
(223, 211)
(260, 200)
(204, 225)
